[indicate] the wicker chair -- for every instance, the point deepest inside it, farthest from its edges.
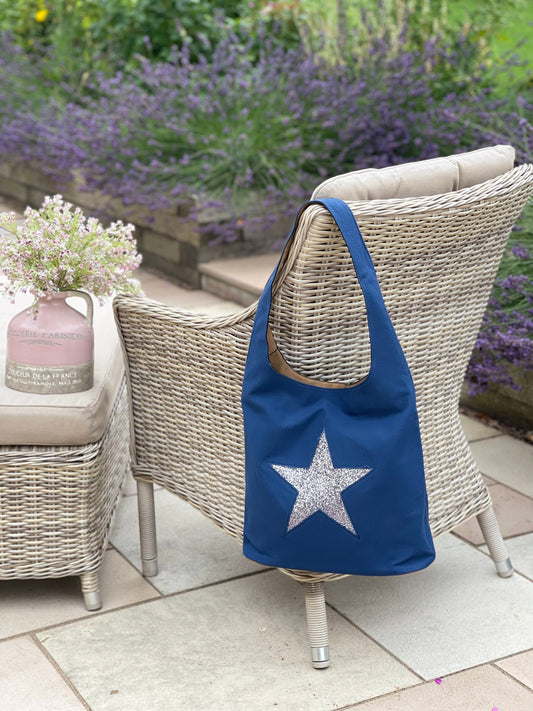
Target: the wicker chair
(436, 259)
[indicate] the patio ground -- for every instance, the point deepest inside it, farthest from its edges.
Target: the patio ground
(215, 631)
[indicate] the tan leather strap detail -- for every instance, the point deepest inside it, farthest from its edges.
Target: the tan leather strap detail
(278, 362)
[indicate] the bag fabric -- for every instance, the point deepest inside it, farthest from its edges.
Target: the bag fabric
(335, 475)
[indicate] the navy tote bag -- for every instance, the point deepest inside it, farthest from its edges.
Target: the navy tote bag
(335, 475)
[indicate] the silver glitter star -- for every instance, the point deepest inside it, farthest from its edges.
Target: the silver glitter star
(319, 487)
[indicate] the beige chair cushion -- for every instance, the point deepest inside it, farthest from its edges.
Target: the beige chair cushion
(73, 419)
(426, 177)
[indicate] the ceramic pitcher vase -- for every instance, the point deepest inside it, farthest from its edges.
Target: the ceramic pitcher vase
(51, 350)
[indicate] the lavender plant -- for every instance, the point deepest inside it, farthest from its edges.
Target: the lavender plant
(254, 118)
(504, 348)
(239, 121)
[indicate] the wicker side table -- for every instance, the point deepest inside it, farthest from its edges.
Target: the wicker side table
(63, 461)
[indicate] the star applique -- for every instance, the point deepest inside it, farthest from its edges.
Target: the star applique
(319, 487)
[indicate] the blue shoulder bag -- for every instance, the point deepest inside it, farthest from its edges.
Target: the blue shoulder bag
(335, 476)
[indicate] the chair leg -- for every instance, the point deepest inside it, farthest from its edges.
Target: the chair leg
(147, 531)
(496, 544)
(90, 587)
(317, 623)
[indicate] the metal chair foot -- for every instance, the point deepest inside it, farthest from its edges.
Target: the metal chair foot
(317, 623)
(93, 600)
(495, 543)
(90, 587)
(150, 568)
(505, 568)
(320, 657)
(147, 529)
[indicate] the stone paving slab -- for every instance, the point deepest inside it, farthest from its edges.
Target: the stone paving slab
(33, 604)
(521, 554)
(165, 292)
(514, 512)
(192, 550)
(29, 681)
(520, 667)
(483, 689)
(239, 646)
(454, 615)
(475, 429)
(241, 279)
(508, 460)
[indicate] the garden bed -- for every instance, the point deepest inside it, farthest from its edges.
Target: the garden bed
(208, 134)
(504, 404)
(174, 240)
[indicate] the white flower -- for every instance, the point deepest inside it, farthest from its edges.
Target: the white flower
(57, 248)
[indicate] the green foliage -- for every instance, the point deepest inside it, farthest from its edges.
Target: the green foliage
(18, 16)
(337, 29)
(89, 35)
(152, 27)
(487, 20)
(501, 29)
(521, 239)
(83, 36)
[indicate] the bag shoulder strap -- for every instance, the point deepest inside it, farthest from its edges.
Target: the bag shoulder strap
(386, 351)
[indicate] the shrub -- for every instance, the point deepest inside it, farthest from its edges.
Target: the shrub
(74, 38)
(252, 117)
(504, 347)
(235, 121)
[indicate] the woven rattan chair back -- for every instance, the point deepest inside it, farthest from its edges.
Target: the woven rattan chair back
(436, 259)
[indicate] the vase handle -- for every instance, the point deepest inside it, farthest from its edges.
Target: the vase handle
(88, 302)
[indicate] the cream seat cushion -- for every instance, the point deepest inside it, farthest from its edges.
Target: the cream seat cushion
(71, 419)
(426, 177)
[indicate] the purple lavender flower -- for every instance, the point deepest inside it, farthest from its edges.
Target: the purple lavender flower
(520, 251)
